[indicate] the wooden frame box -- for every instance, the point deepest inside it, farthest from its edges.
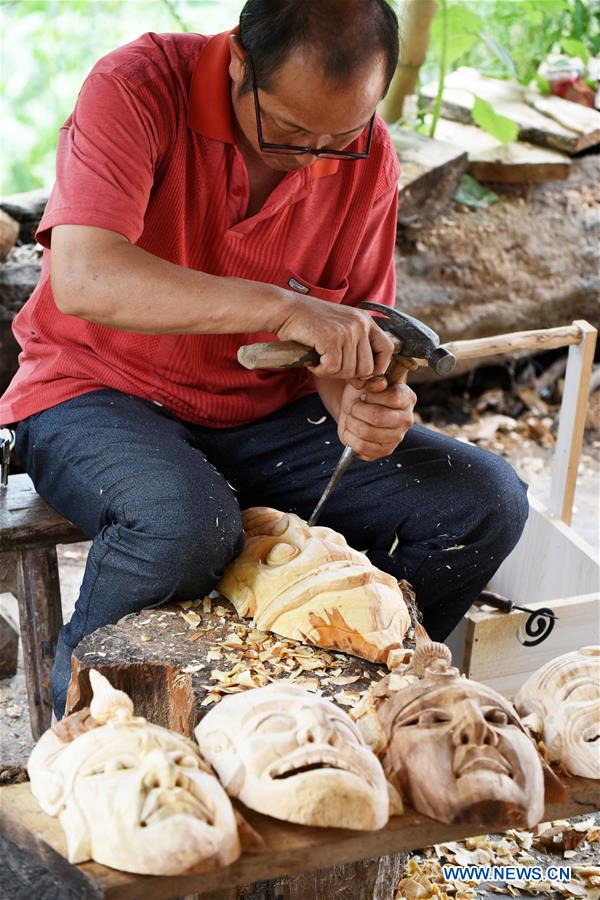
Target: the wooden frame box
(550, 567)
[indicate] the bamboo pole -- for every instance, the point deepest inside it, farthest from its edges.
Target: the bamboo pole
(414, 20)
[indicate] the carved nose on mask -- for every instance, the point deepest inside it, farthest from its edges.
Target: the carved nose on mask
(159, 771)
(470, 726)
(315, 728)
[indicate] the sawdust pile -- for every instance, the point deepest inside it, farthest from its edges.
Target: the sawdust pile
(248, 658)
(423, 877)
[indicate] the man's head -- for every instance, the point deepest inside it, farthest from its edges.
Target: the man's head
(320, 67)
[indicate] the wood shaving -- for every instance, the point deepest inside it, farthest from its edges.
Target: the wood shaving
(510, 849)
(348, 698)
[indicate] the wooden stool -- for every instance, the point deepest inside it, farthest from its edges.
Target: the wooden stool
(29, 533)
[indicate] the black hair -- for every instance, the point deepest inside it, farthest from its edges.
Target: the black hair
(345, 34)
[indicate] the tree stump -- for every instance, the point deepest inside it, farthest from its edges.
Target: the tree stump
(171, 668)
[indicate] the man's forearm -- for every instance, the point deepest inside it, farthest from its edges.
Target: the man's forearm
(105, 279)
(330, 391)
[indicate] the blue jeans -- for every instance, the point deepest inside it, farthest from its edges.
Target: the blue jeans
(161, 499)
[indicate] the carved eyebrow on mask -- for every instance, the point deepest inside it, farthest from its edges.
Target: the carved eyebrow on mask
(414, 706)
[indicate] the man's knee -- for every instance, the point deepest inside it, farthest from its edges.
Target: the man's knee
(187, 537)
(500, 500)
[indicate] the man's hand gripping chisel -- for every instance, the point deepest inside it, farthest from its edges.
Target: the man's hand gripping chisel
(411, 338)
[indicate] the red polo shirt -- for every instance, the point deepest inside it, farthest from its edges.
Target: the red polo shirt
(150, 152)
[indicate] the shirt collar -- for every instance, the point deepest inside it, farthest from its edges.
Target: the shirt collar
(210, 111)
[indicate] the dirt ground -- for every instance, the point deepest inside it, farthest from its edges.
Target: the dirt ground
(530, 261)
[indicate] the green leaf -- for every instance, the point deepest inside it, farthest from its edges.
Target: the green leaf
(543, 85)
(502, 128)
(463, 32)
(573, 47)
(500, 52)
(471, 193)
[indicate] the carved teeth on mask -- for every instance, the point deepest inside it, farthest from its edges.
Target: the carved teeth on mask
(161, 803)
(311, 762)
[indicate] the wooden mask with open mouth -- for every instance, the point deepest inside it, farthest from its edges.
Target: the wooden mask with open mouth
(454, 749)
(292, 755)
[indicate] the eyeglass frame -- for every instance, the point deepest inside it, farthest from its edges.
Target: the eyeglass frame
(292, 149)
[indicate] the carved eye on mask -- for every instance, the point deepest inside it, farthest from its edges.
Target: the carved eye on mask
(187, 761)
(426, 717)
(113, 764)
(275, 722)
(281, 554)
(495, 716)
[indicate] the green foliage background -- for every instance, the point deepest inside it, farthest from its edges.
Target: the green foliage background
(49, 46)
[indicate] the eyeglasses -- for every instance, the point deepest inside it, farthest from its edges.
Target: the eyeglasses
(292, 149)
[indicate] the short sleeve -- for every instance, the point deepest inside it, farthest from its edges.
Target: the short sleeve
(105, 161)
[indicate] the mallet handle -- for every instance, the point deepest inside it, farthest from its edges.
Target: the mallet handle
(285, 354)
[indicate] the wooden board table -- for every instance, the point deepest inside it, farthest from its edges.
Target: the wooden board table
(288, 849)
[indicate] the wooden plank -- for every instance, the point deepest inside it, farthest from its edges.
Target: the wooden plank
(512, 100)
(572, 423)
(495, 655)
(31, 868)
(429, 176)
(490, 160)
(288, 849)
(27, 521)
(550, 561)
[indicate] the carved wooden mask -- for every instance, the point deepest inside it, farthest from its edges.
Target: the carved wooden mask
(292, 755)
(129, 794)
(308, 584)
(562, 704)
(454, 748)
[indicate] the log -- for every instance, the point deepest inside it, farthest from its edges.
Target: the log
(9, 232)
(548, 121)
(430, 172)
(145, 654)
(490, 160)
(40, 617)
(27, 208)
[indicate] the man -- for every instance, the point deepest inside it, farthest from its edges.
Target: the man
(213, 192)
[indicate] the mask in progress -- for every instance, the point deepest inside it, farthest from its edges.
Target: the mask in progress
(309, 585)
(561, 703)
(129, 794)
(289, 754)
(453, 748)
